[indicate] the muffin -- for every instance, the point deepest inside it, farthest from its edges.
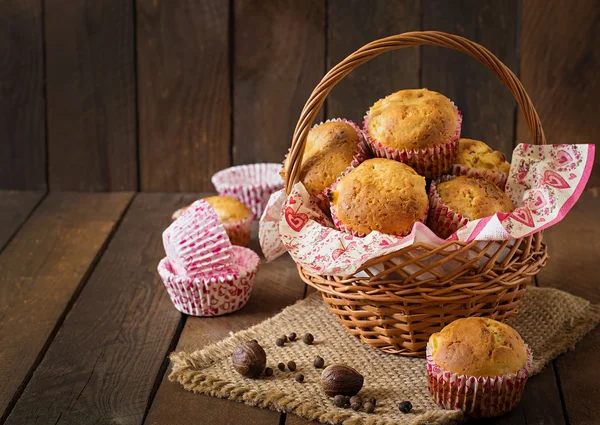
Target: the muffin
(235, 216)
(478, 365)
(332, 148)
(418, 127)
(379, 195)
(454, 201)
(475, 158)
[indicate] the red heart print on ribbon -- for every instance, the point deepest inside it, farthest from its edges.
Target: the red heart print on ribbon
(294, 219)
(537, 201)
(552, 178)
(523, 215)
(563, 158)
(339, 251)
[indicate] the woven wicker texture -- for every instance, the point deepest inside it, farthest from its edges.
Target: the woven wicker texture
(412, 293)
(550, 321)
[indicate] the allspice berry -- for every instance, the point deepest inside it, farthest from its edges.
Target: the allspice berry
(279, 342)
(249, 359)
(291, 365)
(369, 407)
(356, 406)
(299, 377)
(268, 372)
(284, 337)
(340, 400)
(308, 339)
(292, 336)
(340, 379)
(371, 400)
(319, 362)
(356, 400)
(281, 366)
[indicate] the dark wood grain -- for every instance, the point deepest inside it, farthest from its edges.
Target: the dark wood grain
(573, 245)
(354, 23)
(43, 268)
(91, 95)
(102, 366)
(487, 105)
(183, 92)
(279, 55)
(277, 285)
(22, 107)
(559, 54)
(15, 207)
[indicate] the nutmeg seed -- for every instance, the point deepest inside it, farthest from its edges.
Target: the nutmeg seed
(340, 379)
(249, 359)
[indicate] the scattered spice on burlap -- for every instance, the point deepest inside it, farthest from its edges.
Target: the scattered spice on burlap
(549, 320)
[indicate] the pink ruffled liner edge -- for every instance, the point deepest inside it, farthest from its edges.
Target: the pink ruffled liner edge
(425, 162)
(497, 177)
(194, 296)
(443, 220)
(497, 394)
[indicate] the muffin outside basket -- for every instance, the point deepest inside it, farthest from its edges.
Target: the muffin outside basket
(395, 302)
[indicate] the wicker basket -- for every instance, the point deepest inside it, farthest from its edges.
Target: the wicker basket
(395, 302)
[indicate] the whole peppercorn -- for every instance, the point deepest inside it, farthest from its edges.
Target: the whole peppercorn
(291, 365)
(268, 372)
(308, 339)
(292, 336)
(369, 407)
(281, 366)
(249, 359)
(356, 400)
(319, 362)
(299, 377)
(405, 406)
(340, 400)
(279, 342)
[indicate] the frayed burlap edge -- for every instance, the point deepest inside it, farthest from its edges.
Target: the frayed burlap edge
(186, 369)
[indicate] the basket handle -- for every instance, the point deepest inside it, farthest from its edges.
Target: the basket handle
(395, 42)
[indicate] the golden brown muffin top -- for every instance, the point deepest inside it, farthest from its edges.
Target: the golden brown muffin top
(476, 154)
(412, 119)
(330, 148)
(474, 197)
(228, 209)
(478, 346)
(380, 194)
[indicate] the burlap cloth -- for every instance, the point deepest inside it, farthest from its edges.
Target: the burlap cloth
(550, 321)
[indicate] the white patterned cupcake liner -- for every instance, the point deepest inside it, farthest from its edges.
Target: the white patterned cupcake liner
(251, 184)
(197, 244)
(215, 296)
(238, 231)
(497, 177)
(476, 396)
(431, 162)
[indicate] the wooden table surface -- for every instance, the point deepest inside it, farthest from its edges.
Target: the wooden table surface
(86, 324)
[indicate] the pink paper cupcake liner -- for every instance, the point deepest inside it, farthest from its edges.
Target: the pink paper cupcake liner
(251, 184)
(362, 154)
(197, 244)
(216, 296)
(431, 162)
(443, 220)
(238, 231)
(476, 396)
(496, 177)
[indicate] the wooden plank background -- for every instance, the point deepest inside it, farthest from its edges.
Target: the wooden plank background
(157, 95)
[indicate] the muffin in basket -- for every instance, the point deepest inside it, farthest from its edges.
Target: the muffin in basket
(380, 194)
(331, 148)
(235, 216)
(418, 127)
(477, 365)
(454, 201)
(475, 158)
